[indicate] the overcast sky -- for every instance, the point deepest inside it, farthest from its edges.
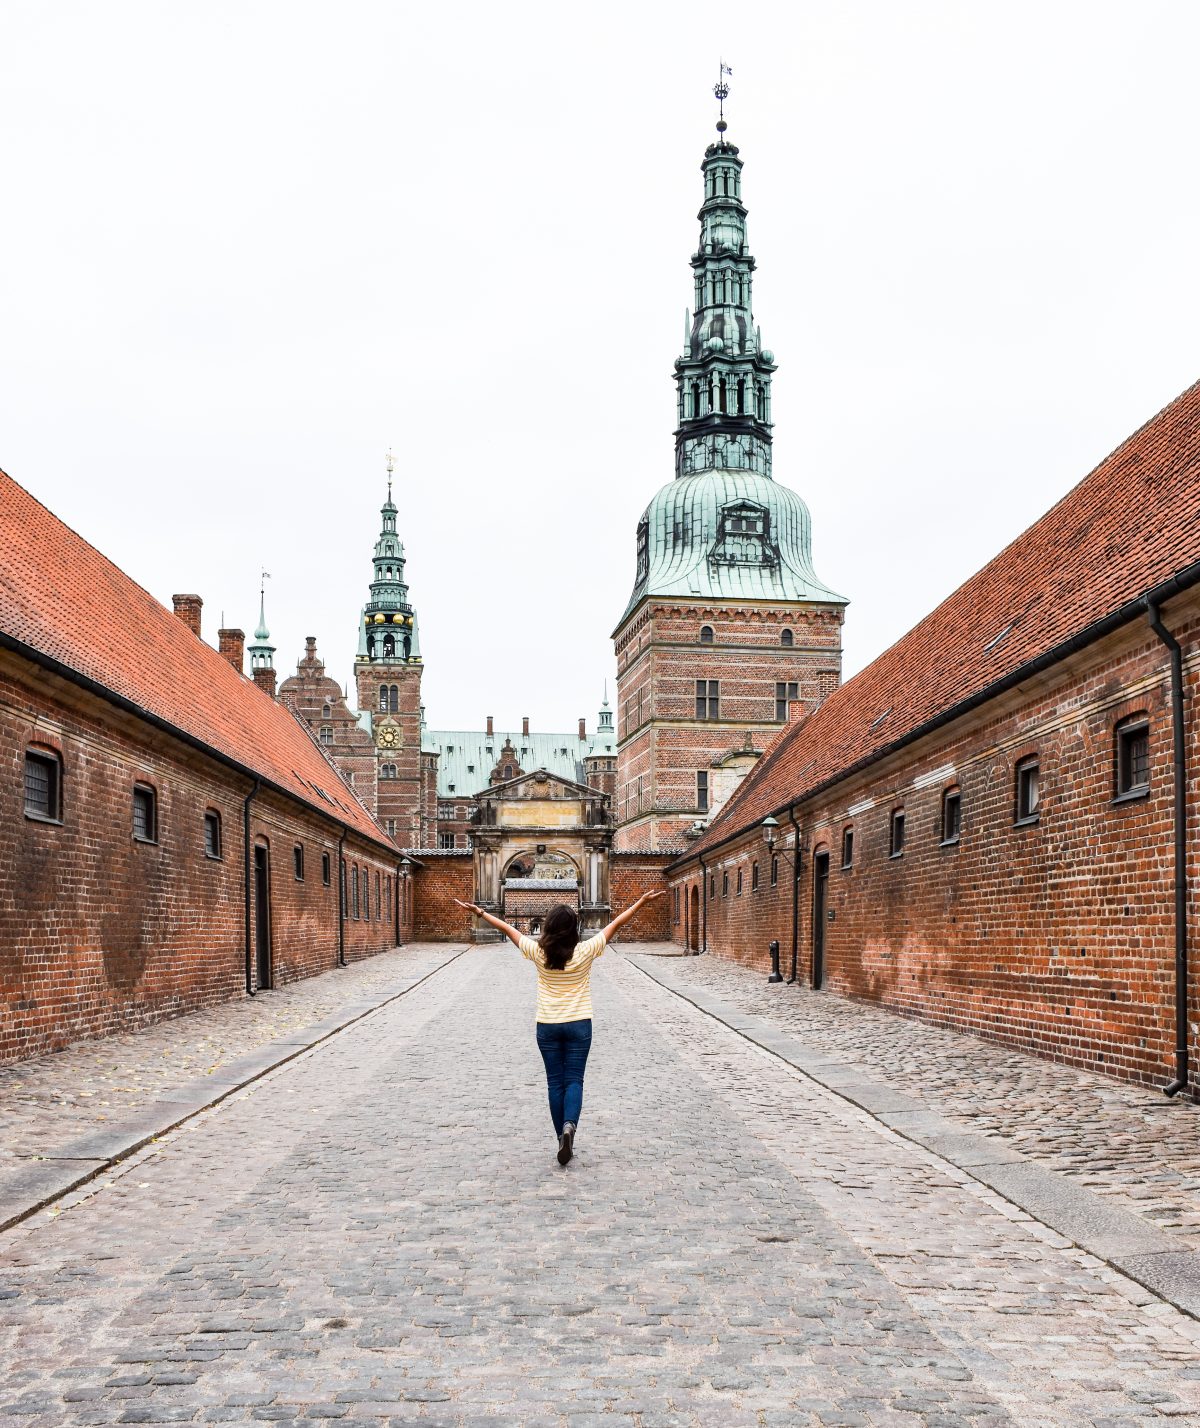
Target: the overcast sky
(247, 246)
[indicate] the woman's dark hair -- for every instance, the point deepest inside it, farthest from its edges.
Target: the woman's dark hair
(559, 937)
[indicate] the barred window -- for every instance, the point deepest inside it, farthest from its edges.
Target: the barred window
(145, 821)
(446, 840)
(1133, 757)
(707, 698)
(212, 834)
(43, 786)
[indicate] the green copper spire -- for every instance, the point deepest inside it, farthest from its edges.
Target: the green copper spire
(723, 379)
(388, 631)
(262, 651)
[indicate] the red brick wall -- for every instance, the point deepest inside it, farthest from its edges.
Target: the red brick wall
(1058, 936)
(630, 875)
(439, 880)
(659, 660)
(101, 933)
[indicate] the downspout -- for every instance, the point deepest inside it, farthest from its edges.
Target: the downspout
(795, 896)
(250, 991)
(703, 908)
(341, 961)
(1180, 771)
(396, 903)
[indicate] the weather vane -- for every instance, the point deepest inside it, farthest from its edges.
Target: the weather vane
(263, 577)
(391, 461)
(721, 90)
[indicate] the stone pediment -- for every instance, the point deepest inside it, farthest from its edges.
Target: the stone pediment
(538, 784)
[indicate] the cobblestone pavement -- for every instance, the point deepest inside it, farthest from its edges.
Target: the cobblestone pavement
(378, 1232)
(53, 1099)
(1126, 1142)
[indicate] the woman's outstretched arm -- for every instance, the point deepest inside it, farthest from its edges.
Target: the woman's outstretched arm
(623, 917)
(497, 922)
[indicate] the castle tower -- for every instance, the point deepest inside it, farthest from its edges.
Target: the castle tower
(262, 651)
(728, 633)
(600, 761)
(387, 673)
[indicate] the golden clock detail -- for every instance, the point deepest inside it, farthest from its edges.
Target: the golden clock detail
(388, 737)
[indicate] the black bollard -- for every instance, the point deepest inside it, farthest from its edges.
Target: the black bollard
(776, 974)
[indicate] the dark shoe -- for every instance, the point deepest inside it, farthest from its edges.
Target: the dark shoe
(566, 1143)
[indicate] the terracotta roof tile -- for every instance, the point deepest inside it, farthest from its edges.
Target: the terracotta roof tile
(1127, 528)
(60, 597)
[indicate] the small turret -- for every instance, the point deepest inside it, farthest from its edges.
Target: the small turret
(262, 651)
(388, 624)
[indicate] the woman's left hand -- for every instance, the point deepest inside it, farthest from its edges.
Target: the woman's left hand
(650, 896)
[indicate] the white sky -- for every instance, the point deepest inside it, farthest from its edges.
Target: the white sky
(247, 246)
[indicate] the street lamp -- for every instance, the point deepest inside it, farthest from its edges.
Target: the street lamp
(770, 831)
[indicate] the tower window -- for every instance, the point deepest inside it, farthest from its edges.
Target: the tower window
(741, 395)
(785, 692)
(387, 770)
(786, 637)
(702, 791)
(389, 646)
(326, 711)
(706, 634)
(212, 834)
(707, 699)
(1028, 791)
(1133, 758)
(326, 734)
(43, 786)
(383, 699)
(145, 813)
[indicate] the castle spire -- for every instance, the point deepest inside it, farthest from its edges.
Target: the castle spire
(723, 378)
(388, 632)
(262, 651)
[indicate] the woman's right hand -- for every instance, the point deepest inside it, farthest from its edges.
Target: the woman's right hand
(470, 907)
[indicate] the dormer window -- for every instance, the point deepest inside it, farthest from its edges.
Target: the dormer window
(743, 535)
(643, 549)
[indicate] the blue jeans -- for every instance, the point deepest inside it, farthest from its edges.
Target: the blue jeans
(564, 1046)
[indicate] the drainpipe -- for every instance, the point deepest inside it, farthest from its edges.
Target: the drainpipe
(795, 896)
(703, 908)
(341, 961)
(396, 903)
(1180, 771)
(250, 990)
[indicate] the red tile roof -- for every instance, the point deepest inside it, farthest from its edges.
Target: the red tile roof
(1128, 528)
(61, 598)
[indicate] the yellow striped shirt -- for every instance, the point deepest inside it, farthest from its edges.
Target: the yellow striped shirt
(565, 995)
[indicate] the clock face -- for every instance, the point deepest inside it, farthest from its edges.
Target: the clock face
(389, 737)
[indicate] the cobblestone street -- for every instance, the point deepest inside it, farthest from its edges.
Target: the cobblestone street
(376, 1231)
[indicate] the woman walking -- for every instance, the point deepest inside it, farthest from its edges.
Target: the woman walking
(564, 1004)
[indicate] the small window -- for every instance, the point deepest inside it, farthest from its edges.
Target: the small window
(326, 734)
(378, 901)
(675, 913)
(753, 877)
(354, 891)
(774, 869)
(1028, 791)
(896, 835)
(212, 834)
(787, 638)
(43, 786)
(366, 889)
(145, 819)
(712, 886)
(446, 840)
(326, 711)
(387, 770)
(702, 791)
(785, 692)
(739, 882)
(325, 868)
(951, 815)
(707, 698)
(848, 846)
(391, 827)
(706, 634)
(725, 884)
(1133, 758)
(298, 861)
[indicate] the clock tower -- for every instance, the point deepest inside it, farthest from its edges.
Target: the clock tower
(387, 673)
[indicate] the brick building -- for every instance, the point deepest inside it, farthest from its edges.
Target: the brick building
(172, 836)
(728, 631)
(979, 828)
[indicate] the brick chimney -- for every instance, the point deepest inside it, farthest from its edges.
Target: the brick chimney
(264, 677)
(188, 608)
(489, 726)
(582, 730)
(525, 726)
(232, 644)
